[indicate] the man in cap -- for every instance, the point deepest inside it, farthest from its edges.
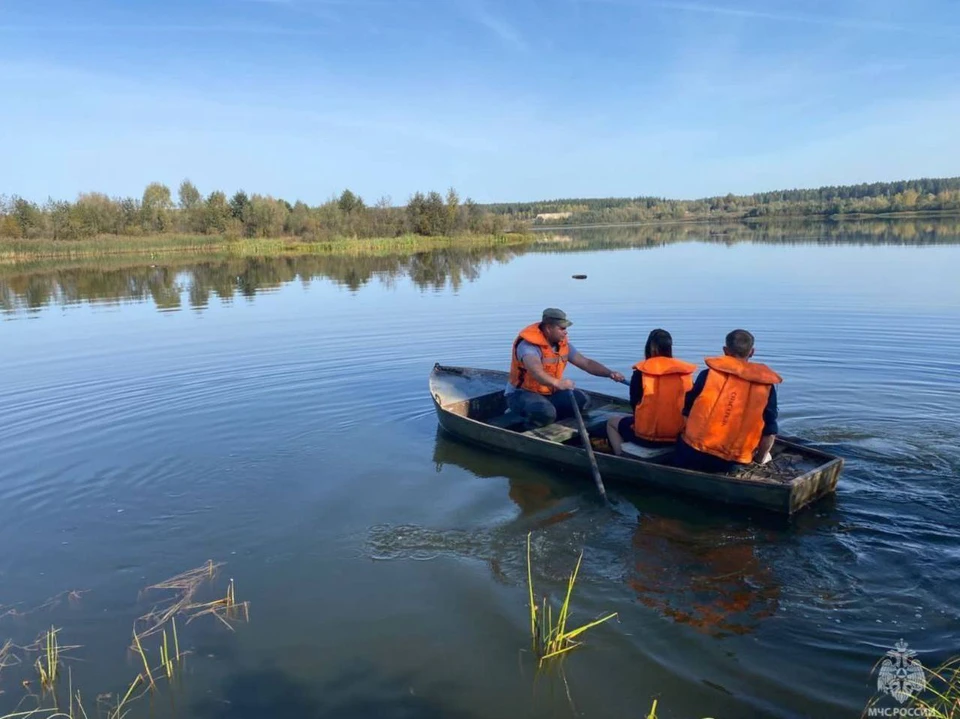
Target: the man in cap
(539, 356)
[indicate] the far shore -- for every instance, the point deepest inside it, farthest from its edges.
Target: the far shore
(762, 219)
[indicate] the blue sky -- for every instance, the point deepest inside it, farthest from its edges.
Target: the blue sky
(505, 101)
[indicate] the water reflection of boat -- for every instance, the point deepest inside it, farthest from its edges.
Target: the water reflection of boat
(681, 562)
(470, 404)
(542, 499)
(708, 578)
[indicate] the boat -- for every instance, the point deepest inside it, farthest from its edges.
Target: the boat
(471, 406)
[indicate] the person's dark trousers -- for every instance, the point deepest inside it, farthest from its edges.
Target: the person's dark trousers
(689, 458)
(540, 410)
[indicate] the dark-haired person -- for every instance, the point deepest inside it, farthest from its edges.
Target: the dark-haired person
(657, 390)
(538, 358)
(731, 411)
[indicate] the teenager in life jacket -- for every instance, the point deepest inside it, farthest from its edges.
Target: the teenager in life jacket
(731, 411)
(657, 390)
(539, 355)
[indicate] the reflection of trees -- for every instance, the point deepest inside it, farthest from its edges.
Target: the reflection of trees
(800, 232)
(243, 277)
(163, 289)
(436, 269)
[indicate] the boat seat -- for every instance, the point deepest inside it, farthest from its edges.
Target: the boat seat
(640, 452)
(561, 431)
(566, 429)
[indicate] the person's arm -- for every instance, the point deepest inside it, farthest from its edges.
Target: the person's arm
(534, 366)
(770, 426)
(593, 367)
(636, 388)
(694, 392)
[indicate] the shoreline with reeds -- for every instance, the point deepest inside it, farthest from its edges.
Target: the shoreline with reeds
(46, 678)
(157, 246)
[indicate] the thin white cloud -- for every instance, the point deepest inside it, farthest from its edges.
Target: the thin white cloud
(506, 33)
(331, 11)
(763, 15)
(852, 23)
(200, 29)
(302, 4)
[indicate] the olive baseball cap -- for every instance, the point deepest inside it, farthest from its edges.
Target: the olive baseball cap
(553, 316)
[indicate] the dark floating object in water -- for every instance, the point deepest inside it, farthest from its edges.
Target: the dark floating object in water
(579, 277)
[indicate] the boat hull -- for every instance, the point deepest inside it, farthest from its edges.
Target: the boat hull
(453, 413)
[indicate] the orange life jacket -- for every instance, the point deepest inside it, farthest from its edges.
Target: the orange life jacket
(726, 419)
(658, 416)
(554, 362)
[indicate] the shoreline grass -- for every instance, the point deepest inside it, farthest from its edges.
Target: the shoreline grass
(46, 701)
(550, 636)
(157, 246)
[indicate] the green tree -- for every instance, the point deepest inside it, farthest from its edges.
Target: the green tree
(300, 220)
(416, 214)
(191, 207)
(59, 213)
(472, 216)
(189, 195)
(128, 216)
(436, 213)
(385, 219)
(238, 204)
(28, 216)
(155, 207)
(9, 227)
(97, 213)
(264, 217)
(350, 202)
(453, 211)
(216, 214)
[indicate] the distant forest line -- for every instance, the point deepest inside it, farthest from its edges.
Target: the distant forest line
(433, 214)
(875, 198)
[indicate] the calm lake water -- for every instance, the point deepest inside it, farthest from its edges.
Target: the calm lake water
(274, 415)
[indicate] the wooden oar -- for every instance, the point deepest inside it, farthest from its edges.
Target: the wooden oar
(588, 447)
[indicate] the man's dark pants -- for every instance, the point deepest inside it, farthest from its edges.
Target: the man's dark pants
(540, 410)
(689, 458)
